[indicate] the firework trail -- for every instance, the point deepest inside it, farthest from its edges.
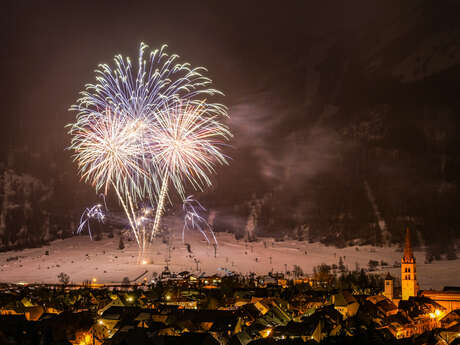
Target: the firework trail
(115, 134)
(193, 220)
(109, 152)
(187, 146)
(101, 214)
(96, 212)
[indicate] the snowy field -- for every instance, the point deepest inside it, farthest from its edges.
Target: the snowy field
(84, 259)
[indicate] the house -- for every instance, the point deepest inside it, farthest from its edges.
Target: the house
(138, 336)
(311, 328)
(303, 304)
(115, 302)
(384, 305)
(110, 319)
(422, 307)
(262, 307)
(116, 317)
(145, 319)
(278, 309)
(213, 321)
(33, 313)
(324, 322)
(249, 313)
(241, 338)
(451, 319)
(67, 327)
(400, 326)
(332, 320)
(450, 334)
(345, 303)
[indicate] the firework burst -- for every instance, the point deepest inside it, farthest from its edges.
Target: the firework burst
(187, 143)
(121, 128)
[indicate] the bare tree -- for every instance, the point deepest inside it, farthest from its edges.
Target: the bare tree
(64, 278)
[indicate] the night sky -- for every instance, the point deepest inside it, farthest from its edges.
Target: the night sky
(50, 49)
(299, 77)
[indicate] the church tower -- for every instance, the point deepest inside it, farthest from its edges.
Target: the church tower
(409, 285)
(388, 291)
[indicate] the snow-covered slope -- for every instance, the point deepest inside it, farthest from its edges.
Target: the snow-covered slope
(84, 259)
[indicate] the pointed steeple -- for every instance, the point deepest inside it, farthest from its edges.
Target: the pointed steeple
(409, 285)
(408, 253)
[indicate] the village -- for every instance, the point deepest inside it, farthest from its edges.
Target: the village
(183, 308)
